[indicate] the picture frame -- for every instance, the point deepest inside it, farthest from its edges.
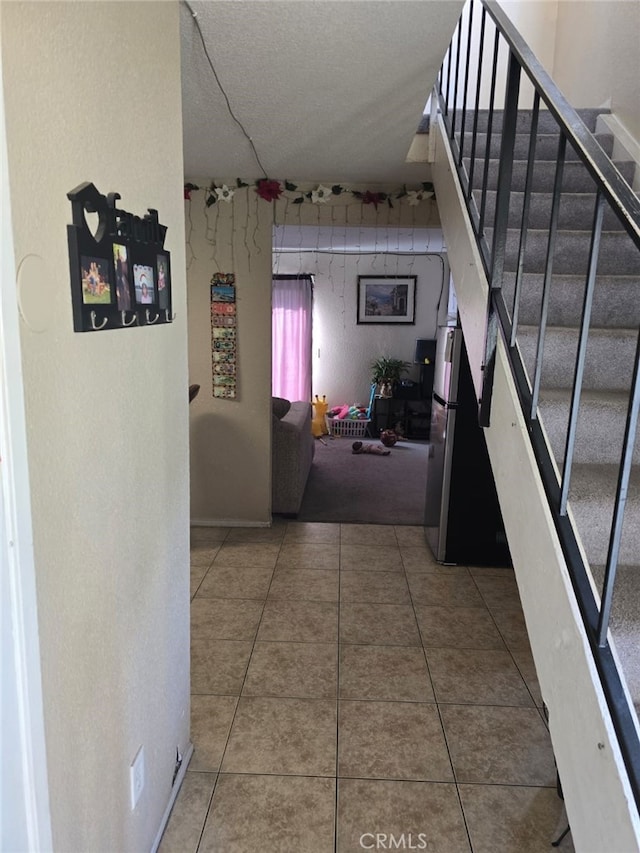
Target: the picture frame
(386, 299)
(119, 270)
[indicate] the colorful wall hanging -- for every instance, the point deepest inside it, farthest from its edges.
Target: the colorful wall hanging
(223, 335)
(121, 273)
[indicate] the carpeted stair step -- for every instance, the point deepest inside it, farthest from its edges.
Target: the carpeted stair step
(616, 300)
(546, 121)
(601, 424)
(591, 498)
(608, 364)
(575, 214)
(624, 624)
(575, 178)
(617, 255)
(546, 146)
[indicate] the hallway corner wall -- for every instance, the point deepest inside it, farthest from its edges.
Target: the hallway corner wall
(106, 413)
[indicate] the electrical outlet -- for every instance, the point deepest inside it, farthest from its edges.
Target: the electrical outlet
(136, 777)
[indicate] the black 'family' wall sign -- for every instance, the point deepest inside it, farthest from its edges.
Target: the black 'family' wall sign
(121, 273)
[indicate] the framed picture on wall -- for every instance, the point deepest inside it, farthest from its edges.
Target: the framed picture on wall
(386, 299)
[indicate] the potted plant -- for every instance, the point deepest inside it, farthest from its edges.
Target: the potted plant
(386, 371)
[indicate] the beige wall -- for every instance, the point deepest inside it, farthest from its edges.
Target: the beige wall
(231, 439)
(107, 413)
(589, 48)
(597, 56)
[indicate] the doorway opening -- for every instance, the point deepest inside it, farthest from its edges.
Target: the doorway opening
(379, 489)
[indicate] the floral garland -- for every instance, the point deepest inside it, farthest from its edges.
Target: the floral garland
(270, 191)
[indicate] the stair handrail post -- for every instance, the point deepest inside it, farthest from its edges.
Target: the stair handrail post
(501, 223)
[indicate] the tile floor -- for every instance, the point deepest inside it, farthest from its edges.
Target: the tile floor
(350, 694)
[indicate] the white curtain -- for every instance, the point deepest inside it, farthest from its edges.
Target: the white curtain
(291, 318)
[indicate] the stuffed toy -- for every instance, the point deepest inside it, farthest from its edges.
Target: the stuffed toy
(319, 424)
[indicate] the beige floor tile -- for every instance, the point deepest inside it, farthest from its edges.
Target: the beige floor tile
(225, 618)
(499, 593)
(197, 576)
(397, 673)
(410, 536)
(530, 818)
(299, 622)
(236, 582)
(491, 572)
(259, 554)
(498, 745)
(477, 677)
(279, 814)
(526, 665)
(420, 816)
(370, 558)
(458, 627)
(392, 740)
(368, 534)
(208, 534)
(189, 813)
(379, 624)
(218, 666)
(211, 718)
(271, 535)
(419, 558)
(303, 670)
(310, 555)
(374, 587)
(305, 585)
(283, 736)
(202, 555)
(443, 591)
(310, 531)
(513, 629)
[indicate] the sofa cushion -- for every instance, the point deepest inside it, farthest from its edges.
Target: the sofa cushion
(280, 407)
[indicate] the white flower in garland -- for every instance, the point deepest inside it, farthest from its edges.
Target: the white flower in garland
(414, 197)
(224, 193)
(320, 195)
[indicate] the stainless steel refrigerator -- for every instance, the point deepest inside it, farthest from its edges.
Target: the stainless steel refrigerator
(462, 515)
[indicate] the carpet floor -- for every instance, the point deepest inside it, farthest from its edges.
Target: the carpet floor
(364, 488)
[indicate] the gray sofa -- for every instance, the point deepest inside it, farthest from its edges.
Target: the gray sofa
(293, 447)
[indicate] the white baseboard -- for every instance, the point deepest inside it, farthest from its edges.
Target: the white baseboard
(175, 790)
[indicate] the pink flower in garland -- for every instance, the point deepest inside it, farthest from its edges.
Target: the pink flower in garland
(373, 198)
(269, 190)
(188, 189)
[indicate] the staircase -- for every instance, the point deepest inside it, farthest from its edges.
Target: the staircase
(615, 319)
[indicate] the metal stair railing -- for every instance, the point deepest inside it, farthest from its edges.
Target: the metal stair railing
(486, 46)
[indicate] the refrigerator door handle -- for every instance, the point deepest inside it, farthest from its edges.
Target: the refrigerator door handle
(444, 403)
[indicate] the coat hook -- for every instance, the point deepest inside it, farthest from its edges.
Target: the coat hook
(133, 319)
(149, 320)
(105, 320)
(169, 318)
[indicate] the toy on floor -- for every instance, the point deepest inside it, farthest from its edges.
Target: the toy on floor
(388, 437)
(320, 409)
(359, 447)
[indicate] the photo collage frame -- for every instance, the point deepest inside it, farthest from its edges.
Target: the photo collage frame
(120, 272)
(224, 335)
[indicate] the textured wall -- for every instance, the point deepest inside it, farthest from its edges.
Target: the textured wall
(107, 413)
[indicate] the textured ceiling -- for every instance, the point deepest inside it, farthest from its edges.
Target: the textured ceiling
(328, 90)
